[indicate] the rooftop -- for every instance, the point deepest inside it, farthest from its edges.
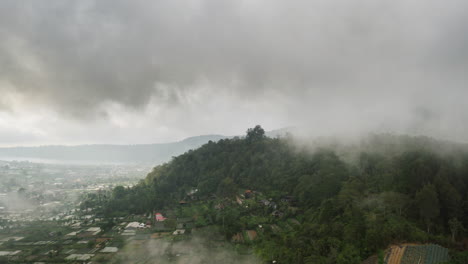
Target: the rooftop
(109, 250)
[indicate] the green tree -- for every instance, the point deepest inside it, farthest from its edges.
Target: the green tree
(119, 192)
(227, 188)
(455, 227)
(395, 202)
(170, 223)
(428, 204)
(459, 258)
(349, 255)
(450, 199)
(381, 257)
(255, 134)
(91, 243)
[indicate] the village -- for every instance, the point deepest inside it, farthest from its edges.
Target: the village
(40, 207)
(75, 238)
(41, 191)
(173, 235)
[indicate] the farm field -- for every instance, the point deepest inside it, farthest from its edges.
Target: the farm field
(414, 254)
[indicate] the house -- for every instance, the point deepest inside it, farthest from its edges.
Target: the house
(80, 257)
(248, 194)
(268, 203)
(289, 200)
(192, 192)
(132, 225)
(183, 202)
(273, 205)
(239, 200)
(109, 250)
(219, 206)
(179, 232)
(251, 234)
(159, 217)
(76, 225)
(237, 238)
(9, 253)
(264, 202)
(277, 213)
(94, 230)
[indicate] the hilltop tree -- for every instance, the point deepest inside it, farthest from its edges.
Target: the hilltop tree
(255, 134)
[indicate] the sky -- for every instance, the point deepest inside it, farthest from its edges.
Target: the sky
(130, 72)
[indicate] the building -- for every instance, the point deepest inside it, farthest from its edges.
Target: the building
(159, 217)
(132, 225)
(179, 232)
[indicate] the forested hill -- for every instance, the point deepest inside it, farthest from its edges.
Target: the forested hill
(326, 210)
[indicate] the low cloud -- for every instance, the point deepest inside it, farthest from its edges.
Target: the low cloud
(195, 250)
(217, 66)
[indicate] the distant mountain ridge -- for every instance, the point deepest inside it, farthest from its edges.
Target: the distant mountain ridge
(141, 153)
(156, 153)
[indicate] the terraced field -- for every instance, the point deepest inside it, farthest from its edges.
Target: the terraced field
(424, 254)
(436, 254)
(395, 254)
(412, 254)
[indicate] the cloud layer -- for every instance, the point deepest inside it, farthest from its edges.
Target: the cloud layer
(170, 69)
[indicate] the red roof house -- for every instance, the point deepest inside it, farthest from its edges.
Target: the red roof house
(159, 217)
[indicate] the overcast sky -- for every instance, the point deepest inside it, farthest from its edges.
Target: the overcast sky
(134, 71)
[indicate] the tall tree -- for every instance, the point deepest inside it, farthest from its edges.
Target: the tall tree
(255, 134)
(428, 204)
(455, 228)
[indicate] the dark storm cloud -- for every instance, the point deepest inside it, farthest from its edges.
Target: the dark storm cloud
(404, 61)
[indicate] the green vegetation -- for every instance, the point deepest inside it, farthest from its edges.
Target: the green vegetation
(321, 206)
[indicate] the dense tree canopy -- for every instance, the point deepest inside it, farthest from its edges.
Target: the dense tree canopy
(342, 212)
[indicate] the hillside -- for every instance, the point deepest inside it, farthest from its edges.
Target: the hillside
(311, 206)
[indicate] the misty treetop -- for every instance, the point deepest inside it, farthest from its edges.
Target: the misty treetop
(346, 209)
